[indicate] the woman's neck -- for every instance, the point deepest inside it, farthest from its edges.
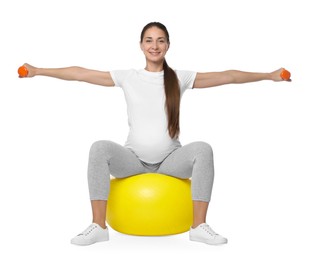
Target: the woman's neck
(154, 67)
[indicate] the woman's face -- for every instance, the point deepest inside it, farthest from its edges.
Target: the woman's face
(154, 45)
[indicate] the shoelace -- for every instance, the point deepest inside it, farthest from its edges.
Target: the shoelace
(88, 230)
(208, 229)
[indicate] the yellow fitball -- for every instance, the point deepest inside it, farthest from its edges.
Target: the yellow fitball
(150, 204)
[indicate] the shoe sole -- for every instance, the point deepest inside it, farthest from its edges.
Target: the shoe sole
(89, 243)
(209, 242)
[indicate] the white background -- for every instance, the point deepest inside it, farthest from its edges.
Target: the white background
(261, 133)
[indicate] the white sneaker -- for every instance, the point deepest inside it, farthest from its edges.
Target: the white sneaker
(203, 233)
(93, 234)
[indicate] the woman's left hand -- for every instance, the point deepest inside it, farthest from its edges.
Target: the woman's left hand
(276, 75)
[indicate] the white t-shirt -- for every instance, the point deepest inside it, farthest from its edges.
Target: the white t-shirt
(145, 97)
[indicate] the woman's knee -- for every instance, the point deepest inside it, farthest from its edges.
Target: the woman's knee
(99, 155)
(100, 146)
(202, 148)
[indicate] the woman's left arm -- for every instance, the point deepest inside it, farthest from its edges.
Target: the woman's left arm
(213, 79)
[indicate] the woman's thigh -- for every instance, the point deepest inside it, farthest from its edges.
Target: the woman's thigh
(181, 161)
(121, 161)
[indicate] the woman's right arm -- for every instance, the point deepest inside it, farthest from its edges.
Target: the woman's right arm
(102, 78)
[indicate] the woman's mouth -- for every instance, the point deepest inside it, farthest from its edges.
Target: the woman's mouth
(154, 53)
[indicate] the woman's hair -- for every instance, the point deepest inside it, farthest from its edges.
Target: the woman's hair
(172, 89)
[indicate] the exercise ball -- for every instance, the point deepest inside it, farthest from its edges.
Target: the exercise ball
(150, 204)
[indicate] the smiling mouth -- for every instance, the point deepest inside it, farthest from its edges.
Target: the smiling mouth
(154, 53)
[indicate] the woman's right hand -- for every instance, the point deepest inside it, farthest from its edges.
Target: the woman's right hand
(31, 70)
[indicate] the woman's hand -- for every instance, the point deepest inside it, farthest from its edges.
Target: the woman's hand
(31, 70)
(276, 75)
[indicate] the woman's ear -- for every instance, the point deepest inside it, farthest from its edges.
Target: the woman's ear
(141, 46)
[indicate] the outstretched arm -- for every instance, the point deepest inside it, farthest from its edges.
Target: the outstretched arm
(213, 79)
(102, 78)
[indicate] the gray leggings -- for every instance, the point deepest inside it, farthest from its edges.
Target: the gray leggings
(108, 158)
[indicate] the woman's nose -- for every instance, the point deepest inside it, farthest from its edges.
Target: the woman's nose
(155, 45)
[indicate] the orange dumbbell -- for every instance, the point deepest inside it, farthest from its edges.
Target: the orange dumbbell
(285, 75)
(22, 71)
